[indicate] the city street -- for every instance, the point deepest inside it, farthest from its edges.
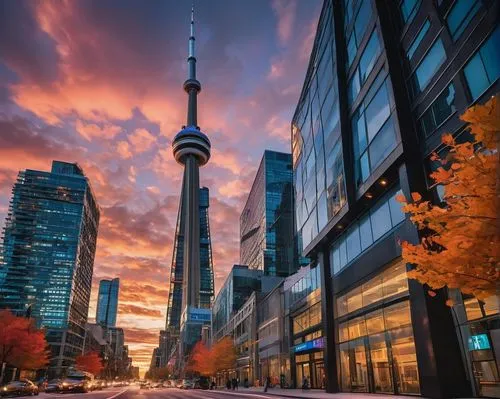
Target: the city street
(136, 393)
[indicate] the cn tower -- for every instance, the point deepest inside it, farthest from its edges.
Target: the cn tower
(191, 149)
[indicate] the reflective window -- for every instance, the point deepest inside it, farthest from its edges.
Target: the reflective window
(374, 134)
(460, 15)
(385, 285)
(383, 217)
(409, 9)
(381, 221)
(428, 67)
(439, 111)
(362, 19)
(418, 39)
(369, 56)
(484, 67)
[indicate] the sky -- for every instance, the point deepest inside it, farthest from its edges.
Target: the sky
(99, 82)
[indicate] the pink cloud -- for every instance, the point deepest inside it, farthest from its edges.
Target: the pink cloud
(286, 12)
(141, 140)
(123, 149)
(92, 131)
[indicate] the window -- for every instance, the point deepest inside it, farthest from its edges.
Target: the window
(438, 112)
(409, 9)
(384, 286)
(428, 67)
(484, 67)
(381, 221)
(374, 133)
(362, 19)
(460, 15)
(416, 42)
(386, 215)
(369, 56)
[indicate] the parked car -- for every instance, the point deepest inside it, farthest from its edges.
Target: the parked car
(19, 388)
(202, 383)
(145, 385)
(178, 383)
(54, 386)
(187, 384)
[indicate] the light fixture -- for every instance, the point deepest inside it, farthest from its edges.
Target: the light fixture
(369, 195)
(339, 226)
(383, 182)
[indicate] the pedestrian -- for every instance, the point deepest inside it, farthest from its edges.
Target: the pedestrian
(245, 383)
(305, 383)
(266, 384)
(228, 384)
(233, 383)
(237, 383)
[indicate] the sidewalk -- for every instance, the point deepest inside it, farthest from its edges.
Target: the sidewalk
(317, 393)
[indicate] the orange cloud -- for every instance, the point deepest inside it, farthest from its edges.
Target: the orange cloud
(141, 140)
(91, 131)
(139, 310)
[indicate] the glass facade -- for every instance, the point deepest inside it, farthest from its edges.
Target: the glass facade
(318, 173)
(48, 250)
(460, 15)
(483, 69)
(480, 331)
(376, 349)
(266, 223)
(174, 308)
(237, 288)
(383, 217)
(107, 302)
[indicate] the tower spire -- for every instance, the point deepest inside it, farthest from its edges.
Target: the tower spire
(192, 86)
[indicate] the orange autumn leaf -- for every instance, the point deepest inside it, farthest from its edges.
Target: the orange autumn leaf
(460, 244)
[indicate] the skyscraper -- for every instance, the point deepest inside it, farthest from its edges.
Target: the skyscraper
(48, 253)
(191, 283)
(107, 302)
(267, 240)
(385, 80)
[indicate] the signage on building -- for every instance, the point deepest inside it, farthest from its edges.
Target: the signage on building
(479, 342)
(199, 314)
(318, 343)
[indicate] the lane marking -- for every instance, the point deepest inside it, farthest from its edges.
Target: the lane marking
(117, 394)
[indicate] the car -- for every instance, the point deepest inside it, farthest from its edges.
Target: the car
(201, 383)
(76, 384)
(54, 386)
(178, 383)
(145, 385)
(19, 388)
(187, 384)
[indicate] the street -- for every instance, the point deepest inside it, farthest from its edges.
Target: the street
(136, 393)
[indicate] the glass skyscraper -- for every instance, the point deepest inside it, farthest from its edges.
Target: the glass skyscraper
(49, 244)
(107, 302)
(267, 240)
(385, 80)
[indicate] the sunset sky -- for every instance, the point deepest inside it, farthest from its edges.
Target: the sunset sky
(100, 83)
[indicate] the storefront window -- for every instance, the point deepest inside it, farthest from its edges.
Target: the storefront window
(389, 283)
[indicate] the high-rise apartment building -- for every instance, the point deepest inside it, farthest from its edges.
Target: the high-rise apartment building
(385, 80)
(49, 244)
(267, 240)
(107, 302)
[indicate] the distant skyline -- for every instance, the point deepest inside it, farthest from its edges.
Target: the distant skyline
(100, 83)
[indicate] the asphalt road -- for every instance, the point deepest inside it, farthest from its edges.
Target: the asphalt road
(134, 392)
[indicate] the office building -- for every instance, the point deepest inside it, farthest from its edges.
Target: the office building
(49, 244)
(267, 240)
(385, 80)
(237, 288)
(107, 302)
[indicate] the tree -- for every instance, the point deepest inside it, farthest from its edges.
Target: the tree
(22, 345)
(201, 360)
(207, 362)
(460, 245)
(90, 362)
(224, 354)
